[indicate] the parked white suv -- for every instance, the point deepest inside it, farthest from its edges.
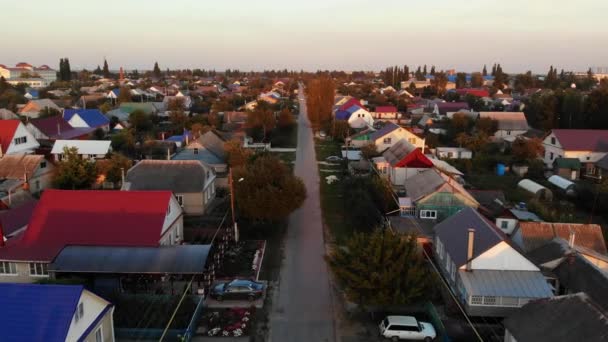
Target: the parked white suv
(406, 328)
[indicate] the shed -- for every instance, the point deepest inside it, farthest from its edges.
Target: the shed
(538, 190)
(564, 184)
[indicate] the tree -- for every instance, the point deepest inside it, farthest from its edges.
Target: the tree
(527, 149)
(369, 151)
(106, 69)
(124, 141)
(237, 155)
(156, 70)
(380, 268)
(485, 71)
(48, 112)
(461, 80)
(65, 72)
(269, 190)
(261, 118)
(74, 173)
(112, 169)
(124, 95)
(476, 80)
(199, 129)
(105, 107)
(285, 119)
(140, 121)
(439, 82)
(487, 125)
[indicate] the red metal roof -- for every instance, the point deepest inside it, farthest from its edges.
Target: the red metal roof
(7, 132)
(474, 92)
(350, 103)
(415, 159)
(90, 218)
(386, 109)
(582, 139)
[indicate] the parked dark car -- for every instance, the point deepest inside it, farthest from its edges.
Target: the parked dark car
(238, 289)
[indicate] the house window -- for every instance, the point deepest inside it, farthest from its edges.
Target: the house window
(43, 164)
(180, 200)
(98, 335)
(476, 300)
(504, 224)
(169, 209)
(450, 155)
(196, 151)
(20, 140)
(38, 269)
(8, 267)
(428, 214)
(387, 140)
(551, 155)
(489, 300)
(37, 185)
(79, 312)
(552, 140)
(508, 132)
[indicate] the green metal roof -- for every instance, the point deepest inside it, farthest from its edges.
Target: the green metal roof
(568, 163)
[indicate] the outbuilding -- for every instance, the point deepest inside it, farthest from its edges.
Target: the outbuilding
(538, 190)
(567, 186)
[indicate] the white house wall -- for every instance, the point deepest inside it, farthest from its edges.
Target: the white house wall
(396, 136)
(173, 225)
(77, 121)
(502, 257)
(27, 147)
(510, 222)
(553, 151)
(92, 307)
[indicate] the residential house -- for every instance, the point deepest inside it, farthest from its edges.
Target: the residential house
(87, 149)
(436, 196)
(570, 268)
(390, 134)
(587, 145)
(570, 168)
(191, 181)
(13, 221)
(443, 108)
(361, 138)
(453, 153)
(6, 114)
(570, 318)
(33, 108)
(30, 171)
(209, 149)
(54, 313)
(86, 118)
(186, 101)
(56, 128)
(386, 112)
(473, 91)
(402, 161)
(356, 116)
(89, 218)
(510, 124)
(15, 138)
(32, 94)
(509, 219)
(489, 276)
(532, 235)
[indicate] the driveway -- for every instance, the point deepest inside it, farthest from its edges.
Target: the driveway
(302, 306)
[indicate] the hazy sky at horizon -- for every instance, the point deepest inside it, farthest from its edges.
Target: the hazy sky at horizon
(310, 35)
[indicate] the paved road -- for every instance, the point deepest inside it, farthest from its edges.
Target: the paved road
(302, 309)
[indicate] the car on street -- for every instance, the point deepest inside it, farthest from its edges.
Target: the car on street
(237, 289)
(333, 159)
(406, 328)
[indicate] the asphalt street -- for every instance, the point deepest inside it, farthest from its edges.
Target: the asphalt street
(302, 308)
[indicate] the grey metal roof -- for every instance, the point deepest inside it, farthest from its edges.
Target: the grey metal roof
(179, 176)
(570, 318)
(181, 259)
(453, 233)
(522, 284)
(203, 155)
(398, 151)
(214, 143)
(423, 184)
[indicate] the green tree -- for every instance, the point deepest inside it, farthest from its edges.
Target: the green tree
(156, 70)
(261, 119)
(476, 80)
(381, 268)
(369, 151)
(106, 69)
(285, 119)
(74, 173)
(124, 141)
(461, 80)
(47, 112)
(140, 121)
(237, 155)
(487, 125)
(269, 190)
(485, 71)
(439, 82)
(112, 168)
(526, 150)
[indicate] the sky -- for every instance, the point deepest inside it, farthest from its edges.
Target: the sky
(311, 34)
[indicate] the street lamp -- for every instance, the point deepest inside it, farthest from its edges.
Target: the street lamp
(234, 226)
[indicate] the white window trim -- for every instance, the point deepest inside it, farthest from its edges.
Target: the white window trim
(9, 263)
(36, 274)
(100, 330)
(425, 214)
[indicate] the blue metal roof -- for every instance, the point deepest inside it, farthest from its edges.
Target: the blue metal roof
(353, 108)
(389, 127)
(342, 115)
(30, 312)
(93, 117)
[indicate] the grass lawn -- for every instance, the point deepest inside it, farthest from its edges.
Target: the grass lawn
(326, 148)
(288, 157)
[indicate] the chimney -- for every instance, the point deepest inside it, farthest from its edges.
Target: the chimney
(470, 242)
(58, 129)
(571, 239)
(122, 175)
(187, 139)
(168, 153)
(162, 135)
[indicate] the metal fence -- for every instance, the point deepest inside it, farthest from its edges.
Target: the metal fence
(192, 327)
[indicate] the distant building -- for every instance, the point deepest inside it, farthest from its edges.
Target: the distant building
(36, 77)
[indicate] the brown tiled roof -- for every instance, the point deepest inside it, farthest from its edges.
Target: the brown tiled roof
(537, 234)
(14, 166)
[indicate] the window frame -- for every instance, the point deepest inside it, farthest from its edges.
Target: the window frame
(40, 269)
(4, 265)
